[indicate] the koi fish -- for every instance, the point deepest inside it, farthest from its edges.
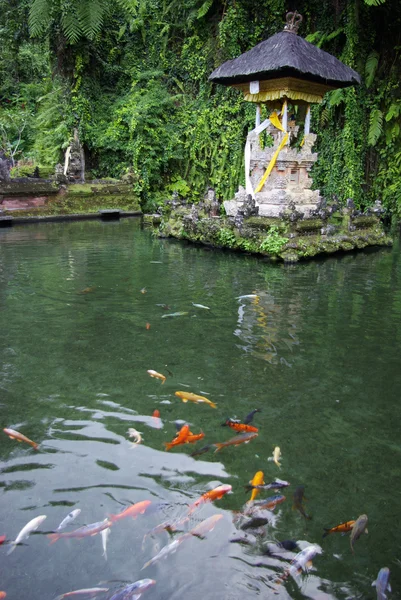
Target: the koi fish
(105, 536)
(250, 416)
(189, 396)
(2, 539)
(176, 314)
(273, 548)
(26, 531)
(143, 291)
(156, 375)
(16, 435)
(342, 528)
(2, 595)
(87, 290)
(133, 433)
(358, 529)
(276, 456)
(69, 518)
(206, 526)
(192, 439)
(85, 531)
(257, 480)
(303, 560)
(277, 484)
(200, 306)
(157, 423)
(243, 438)
(147, 326)
(299, 498)
(139, 508)
(181, 438)
(133, 591)
(201, 450)
(88, 591)
(214, 494)
(271, 503)
(382, 583)
(169, 549)
(240, 427)
(247, 296)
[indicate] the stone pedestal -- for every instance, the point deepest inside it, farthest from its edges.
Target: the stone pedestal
(288, 183)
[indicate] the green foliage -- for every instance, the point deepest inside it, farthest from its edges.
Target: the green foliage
(375, 126)
(372, 62)
(226, 237)
(273, 242)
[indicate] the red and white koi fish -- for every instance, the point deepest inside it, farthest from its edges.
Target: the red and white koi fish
(90, 592)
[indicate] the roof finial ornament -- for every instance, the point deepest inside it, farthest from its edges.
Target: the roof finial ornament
(294, 19)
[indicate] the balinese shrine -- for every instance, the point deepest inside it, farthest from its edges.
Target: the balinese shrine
(286, 74)
(278, 214)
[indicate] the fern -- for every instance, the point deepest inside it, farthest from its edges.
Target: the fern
(394, 111)
(39, 17)
(336, 97)
(374, 2)
(375, 126)
(370, 67)
(90, 16)
(324, 116)
(204, 9)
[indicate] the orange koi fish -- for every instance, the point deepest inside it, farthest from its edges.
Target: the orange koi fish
(214, 494)
(157, 423)
(206, 526)
(181, 438)
(85, 531)
(191, 439)
(342, 528)
(16, 435)
(2, 595)
(156, 375)
(257, 480)
(132, 511)
(243, 438)
(240, 427)
(147, 325)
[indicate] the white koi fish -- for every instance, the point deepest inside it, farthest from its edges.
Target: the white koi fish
(276, 456)
(200, 306)
(105, 536)
(69, 518)
(25, 531)
(133, 433)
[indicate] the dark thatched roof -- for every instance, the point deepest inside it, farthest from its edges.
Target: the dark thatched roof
(285, 54)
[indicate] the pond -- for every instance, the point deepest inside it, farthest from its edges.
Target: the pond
(85, 313)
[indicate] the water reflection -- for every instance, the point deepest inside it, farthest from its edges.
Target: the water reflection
(317, 350)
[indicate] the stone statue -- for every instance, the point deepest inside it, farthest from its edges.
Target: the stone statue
(74, 166)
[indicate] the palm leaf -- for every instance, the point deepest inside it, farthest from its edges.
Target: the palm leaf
(375, 126)
(336, 97)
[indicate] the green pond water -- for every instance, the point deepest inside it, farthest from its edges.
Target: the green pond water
(318, 351)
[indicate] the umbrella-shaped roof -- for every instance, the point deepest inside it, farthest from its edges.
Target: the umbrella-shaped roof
(285, 54)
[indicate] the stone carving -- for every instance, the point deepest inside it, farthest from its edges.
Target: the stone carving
(59, 176)
(74, 166)
(4, 168)
(249, 208)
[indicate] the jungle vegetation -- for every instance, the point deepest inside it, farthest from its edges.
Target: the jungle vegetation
(132, 76)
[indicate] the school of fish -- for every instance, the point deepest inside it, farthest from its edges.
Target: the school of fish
(255, 515)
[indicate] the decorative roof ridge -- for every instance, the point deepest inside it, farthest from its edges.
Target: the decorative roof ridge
(293, 21)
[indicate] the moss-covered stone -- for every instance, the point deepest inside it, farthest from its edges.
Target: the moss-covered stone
(309, 225)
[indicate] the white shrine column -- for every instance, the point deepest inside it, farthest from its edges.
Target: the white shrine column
(284, 120)
(307, 120)
(257, 119)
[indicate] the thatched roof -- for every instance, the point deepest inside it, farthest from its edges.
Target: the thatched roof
(285, 54)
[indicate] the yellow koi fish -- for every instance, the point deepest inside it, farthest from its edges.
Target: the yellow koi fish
(156, 375)
(189, 396)
(257, 480)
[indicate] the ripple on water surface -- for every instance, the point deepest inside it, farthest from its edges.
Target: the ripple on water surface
(315, 346)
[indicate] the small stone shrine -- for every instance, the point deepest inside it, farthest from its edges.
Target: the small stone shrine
(286, 74)
(74, 165)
